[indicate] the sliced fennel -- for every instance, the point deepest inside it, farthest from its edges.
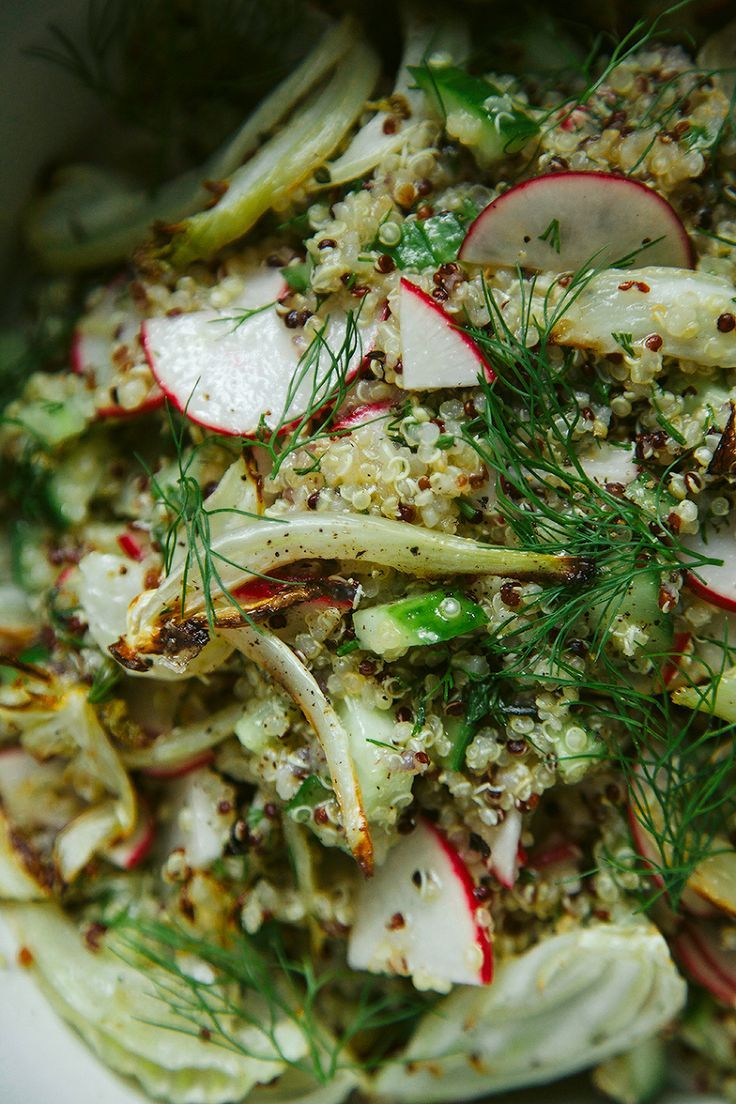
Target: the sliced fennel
(67, 725)
(716, 697)
(618, 310)
(185, 742)
(282, 163)
(120, 1012)
(422, 35)
(17, 881)
(94, 218)
(260, 546)
(573, 1000)
(384, 789)
(277, 658)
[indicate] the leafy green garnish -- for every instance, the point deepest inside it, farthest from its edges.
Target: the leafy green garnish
(625, 341)
(261, 983)
(552, 235)
(526, 437)
(427, 243)
(106, 678)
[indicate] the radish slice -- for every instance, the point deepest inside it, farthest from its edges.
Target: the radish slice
(187, 766)
(416, 917)
(609, 463)
(106, 350)
(679, 313)
(716, 582)
(129, 853)
(504, 861)
(434, 352)
(561, 222)
(228, 376)
(363, 414)
(706, 962)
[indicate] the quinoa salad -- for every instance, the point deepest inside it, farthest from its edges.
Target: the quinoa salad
(368, 580)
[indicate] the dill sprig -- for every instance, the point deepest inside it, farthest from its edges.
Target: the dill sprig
(526, 436)
(189, 528)
(257, 987)
(320, 391)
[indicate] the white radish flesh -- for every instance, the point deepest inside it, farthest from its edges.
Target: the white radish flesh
(228, 376)
(106, 351)
(560, 222)
(715, 582)
(673, 311)
(416, 917)
(505, 844)
(434, 352)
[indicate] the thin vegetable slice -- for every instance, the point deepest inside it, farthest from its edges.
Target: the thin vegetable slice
(103, 992)
(281, 164)
(571, 1001)
(560, 222)
(93, 219)
(438, 33)
(431, 618)
(234, 376)
(276, 657)
(435, 351)
(485, 119)
(261, 546)
(680, 313)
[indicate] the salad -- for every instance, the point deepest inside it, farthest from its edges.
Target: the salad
(368, 618)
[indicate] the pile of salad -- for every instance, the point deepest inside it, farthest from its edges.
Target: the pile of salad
(368, 582)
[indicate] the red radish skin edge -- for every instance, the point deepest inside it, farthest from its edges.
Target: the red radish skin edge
(672, 665)
(250, 436)
(447, 319)
(178, 770)
(710, 595)
(562, 852)
(613, 178)
(152, 403)
(699, 968)
(131, 547)
(142, 848)
(460, 871)
(638, 834)
(693, 934)
(103, 412)
(360, 415)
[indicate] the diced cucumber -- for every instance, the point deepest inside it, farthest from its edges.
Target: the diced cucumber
(371, 733)
(716, 697)
(264, 720)
(53, 422)
(649, 496)
(426, 243)
(485, 119)
(311, 793)
(29, 564)
(430, 618)
(636, 1076)
(76, 481)
(636, 609)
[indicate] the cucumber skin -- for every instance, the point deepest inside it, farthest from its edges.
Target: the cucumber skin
(413, 622)
(503, 131)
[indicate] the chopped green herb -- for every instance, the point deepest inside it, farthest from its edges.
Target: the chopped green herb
(552, 235)
(106, 678)
(347, 647)
(625, 341)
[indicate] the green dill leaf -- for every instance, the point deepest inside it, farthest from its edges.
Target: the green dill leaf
(552, 235)
(299, 276)
(106, 678)
(625, 341)
(347, 647)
